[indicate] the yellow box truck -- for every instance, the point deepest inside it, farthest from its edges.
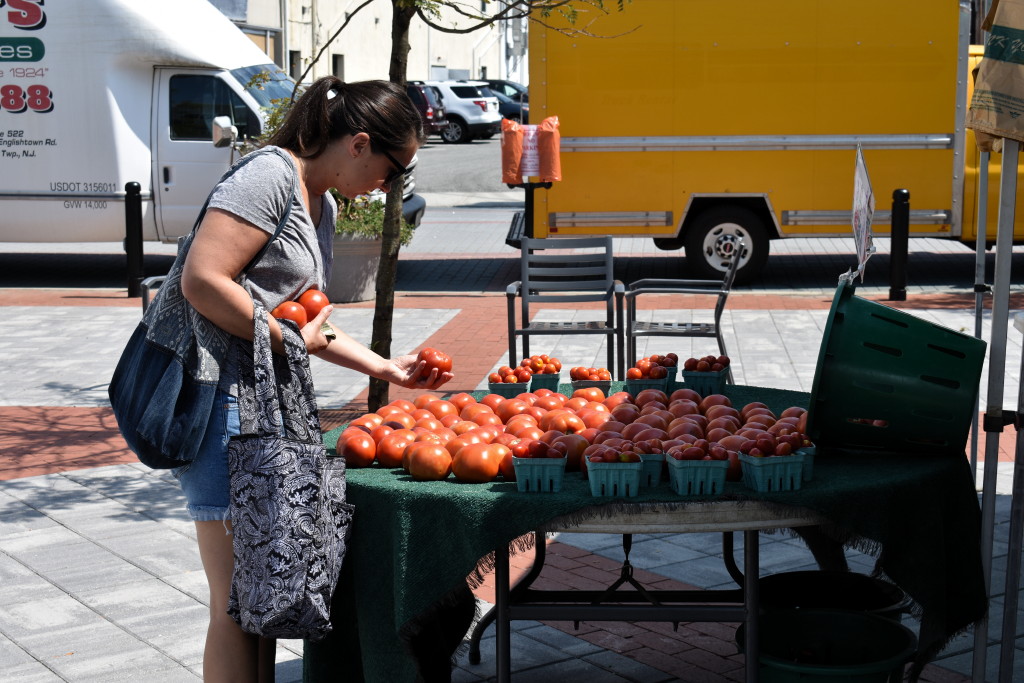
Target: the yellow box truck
(699, 123)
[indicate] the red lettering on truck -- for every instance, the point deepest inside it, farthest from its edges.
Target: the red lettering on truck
(27, 15)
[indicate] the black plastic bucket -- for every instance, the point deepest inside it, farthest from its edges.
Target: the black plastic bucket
(833, 591)
(821, 646)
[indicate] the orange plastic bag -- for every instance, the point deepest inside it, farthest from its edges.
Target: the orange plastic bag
(549, 144)
(511, 152)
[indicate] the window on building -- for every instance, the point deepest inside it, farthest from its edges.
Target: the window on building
(338, 66)
(196, 100)
(294, 64)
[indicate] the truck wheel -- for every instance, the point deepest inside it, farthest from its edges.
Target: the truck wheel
(714, 237)
(456, 132)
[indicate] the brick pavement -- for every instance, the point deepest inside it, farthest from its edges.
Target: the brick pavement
(44, 440)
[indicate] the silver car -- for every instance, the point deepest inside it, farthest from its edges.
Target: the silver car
(472, 110)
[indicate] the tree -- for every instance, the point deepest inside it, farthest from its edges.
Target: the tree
(403, 11)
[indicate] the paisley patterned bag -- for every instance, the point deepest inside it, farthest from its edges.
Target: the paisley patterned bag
(288, 510)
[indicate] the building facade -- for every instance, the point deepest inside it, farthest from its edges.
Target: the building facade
(293, 32)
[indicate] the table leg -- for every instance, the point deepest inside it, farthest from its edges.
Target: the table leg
(751, 603)
(502, 626)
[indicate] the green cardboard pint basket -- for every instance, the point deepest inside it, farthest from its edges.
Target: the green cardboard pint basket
(650, 474)
(772, 473)
(889, 381)
(539, 475)
(604, 385)
(697, 477)
(635, 386)
(545, 381)
(508, 390)
(705, 383)
(614, 479)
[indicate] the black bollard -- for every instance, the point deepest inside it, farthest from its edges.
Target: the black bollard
(899, 234)
(133, 237)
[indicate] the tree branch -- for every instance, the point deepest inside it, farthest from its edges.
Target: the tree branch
(326, 45)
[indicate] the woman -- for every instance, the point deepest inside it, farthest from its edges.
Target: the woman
(354, 137)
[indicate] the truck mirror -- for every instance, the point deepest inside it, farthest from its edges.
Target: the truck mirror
(224, 134)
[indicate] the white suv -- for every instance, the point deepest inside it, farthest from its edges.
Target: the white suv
(472, 110)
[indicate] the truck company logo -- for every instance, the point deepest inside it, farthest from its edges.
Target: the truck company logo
(21, 50)
(27, 15)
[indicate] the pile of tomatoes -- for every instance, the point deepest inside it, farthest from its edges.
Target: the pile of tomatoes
(433, 438)
(541, 364)
(706, 364)
(582, 374)
(653, 367)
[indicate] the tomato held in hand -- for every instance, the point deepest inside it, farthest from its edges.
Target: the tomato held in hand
(291, 310)
(435, 359)
(313, 301)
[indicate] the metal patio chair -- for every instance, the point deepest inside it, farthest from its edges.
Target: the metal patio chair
(574, 277)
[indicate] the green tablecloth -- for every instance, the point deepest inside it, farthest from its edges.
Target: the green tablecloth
(414, 541)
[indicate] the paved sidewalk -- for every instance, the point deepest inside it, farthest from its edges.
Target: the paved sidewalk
(100, 579)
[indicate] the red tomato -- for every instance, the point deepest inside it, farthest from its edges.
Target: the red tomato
(291, 310)
(358, 450)
(435, 359)
(392, 447)
(313, 300)
(478, 462)
(429, 462)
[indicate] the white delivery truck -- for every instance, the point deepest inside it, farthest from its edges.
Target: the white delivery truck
(95, 94)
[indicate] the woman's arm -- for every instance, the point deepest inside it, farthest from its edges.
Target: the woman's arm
(405, 371)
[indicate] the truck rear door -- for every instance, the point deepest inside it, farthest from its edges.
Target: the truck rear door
(186, 165)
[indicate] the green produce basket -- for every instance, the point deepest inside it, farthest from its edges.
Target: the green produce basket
(616, 479)
(604, 385)
(772, 473)
(545, 381)
(830, 646)
(818, 589)
(653, 464)
(539, 475)
(888, 381)
(697, 477)
(705, 383)
(808, 452)
(635, 386)
(508, 390)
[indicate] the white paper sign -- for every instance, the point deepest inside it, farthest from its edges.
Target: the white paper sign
(863, 212)
(529, 164)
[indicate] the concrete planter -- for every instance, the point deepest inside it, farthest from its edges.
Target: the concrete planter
(354, 274)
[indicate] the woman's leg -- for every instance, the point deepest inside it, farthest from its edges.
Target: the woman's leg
(231, 654)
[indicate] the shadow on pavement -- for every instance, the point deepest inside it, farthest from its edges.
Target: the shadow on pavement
(74, 271)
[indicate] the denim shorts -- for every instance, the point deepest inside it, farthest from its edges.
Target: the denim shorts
(205, 480)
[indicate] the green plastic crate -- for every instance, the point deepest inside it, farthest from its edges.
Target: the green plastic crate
(615, 479)
(773, 473)
(539, 475)
(809, 452)
(705, 383)
(697, 477)
(545, 381)
(889, 381)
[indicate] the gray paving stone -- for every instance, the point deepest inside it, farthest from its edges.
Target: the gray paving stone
(30, 672)
(564, 642)
(80, 566)
(17, 516)
(627, 668)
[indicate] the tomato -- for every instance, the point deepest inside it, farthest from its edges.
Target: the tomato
(380, 431)
(392, 447)
(506, 467)
(428, 462)
(478, 462)
(370, 420)
(431, 423)
(458, 443)
(359, 450)
(589, 393)
(291, 310)
(491, 401)
(435, 359)
(313, 301)
(510, 408)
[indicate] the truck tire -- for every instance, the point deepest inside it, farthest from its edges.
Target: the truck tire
(711, 240)
(456, 132)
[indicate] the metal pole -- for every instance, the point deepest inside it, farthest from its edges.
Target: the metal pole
(980, 288)
(899, 236)
(133, 237)
(996, 369)
(1011, 594)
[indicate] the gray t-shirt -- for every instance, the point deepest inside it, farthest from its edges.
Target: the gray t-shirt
(300, 258)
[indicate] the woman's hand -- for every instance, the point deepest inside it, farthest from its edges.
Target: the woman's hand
(314, 332)
(415, 374)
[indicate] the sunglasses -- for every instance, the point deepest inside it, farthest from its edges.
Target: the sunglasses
(397, 172)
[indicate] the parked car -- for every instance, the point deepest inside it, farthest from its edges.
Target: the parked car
(510, 89)
(427, 100)
(512, 109)
(472, 110)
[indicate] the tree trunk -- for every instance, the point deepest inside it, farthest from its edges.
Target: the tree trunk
(383, 315)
